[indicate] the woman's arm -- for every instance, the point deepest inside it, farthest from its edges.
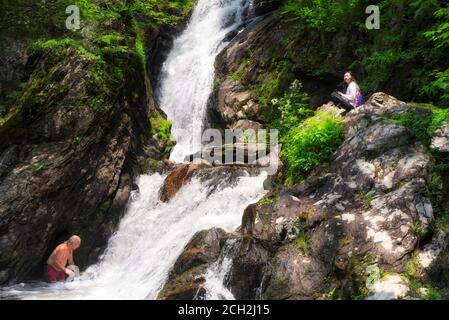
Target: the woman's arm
(351, 92)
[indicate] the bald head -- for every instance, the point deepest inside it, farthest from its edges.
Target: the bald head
(75, 241)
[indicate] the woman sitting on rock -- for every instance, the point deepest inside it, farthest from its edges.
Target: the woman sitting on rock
(352, 98)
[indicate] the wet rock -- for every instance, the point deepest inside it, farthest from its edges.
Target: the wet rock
(249, 261)
(186, 278)
(262, 7)
(237, 153)
(365, 207)
(178, 178)
(204, 248)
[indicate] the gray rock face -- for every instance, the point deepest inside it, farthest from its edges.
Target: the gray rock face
(67, 170)
(365, 207)
(440, 141)
(67, 162)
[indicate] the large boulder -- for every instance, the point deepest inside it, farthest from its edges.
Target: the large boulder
(177, 178)
(186, 278)
(363, 211)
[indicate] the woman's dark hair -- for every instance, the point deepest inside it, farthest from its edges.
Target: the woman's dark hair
(351, 73)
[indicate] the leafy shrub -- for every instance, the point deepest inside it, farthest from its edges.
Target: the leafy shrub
(162, 128)
(292, 108)
(319, 14)
(439, 116)
(310, 144)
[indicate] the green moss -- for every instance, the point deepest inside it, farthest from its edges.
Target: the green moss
(183, 282)
(267, 200)
(365, 198)
(442, 221)
(277, 79)
(39, 167)
(413, 267)
(238, 75)
(417, 288)
(217, 83)
(148, 165)
(302, 241)
(357, 272)
(112, 41)
(422, 119)
(439, 116)
(162, 128)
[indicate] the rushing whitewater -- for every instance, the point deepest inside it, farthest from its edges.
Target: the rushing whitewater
(188, 73)
(150, 238)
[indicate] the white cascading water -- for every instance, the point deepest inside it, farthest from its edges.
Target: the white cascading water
(188, 73)
(152, 234)
(150, 238)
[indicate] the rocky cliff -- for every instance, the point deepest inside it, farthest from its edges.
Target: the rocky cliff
(361, 226)
(77, 129)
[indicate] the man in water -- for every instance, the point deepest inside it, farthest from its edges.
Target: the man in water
(55, 269)
(353, 96)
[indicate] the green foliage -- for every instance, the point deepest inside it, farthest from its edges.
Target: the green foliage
(38, 167)
(277, 79)
(439, 36)
(422, 120)
(269, 198)
(373, 275)
(310, 144)
(161, 12)
(302, 241)
(358, 270)
(442, 221)
(327, 15)
(411, 45)
(162, 128)
(292, 108)
(111, 40)
(332, 294)
(365, 198)
(237, 76)
(439, 116)
(266, 201)
(419, 289)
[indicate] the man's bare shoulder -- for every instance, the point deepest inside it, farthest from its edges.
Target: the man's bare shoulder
(61, 247)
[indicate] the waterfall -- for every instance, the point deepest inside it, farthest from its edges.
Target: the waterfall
(216, 274)
(152, 234)
(188, 73)
(150, 238)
